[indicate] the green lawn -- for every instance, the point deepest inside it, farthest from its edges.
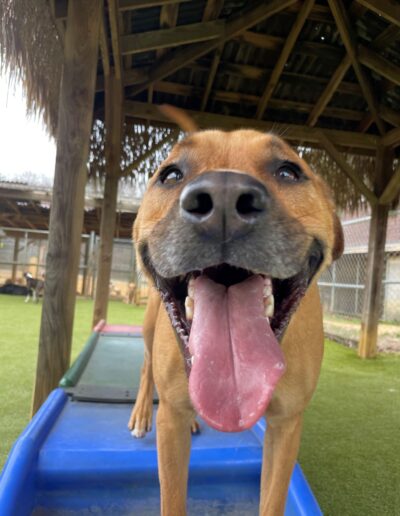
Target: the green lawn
(350, 449)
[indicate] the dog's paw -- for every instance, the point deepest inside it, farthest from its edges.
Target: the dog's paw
(140, 421)
(195, 427)
(139, 431)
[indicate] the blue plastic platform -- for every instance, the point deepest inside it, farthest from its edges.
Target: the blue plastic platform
(78, 457)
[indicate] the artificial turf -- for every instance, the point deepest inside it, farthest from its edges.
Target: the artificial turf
(350, 448)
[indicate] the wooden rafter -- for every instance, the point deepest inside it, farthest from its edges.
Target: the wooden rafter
(238, 98)
(168, 38)
(329, 91)
(392, 189)
(392, 138)
(168, 19)
(346, 34)
(103, 41)
(379, 64)
(130, 5)
(337, 156)
(212, 9)
(293, 132)
(285, 53)
(210, 79)
(388, 9)
(113, 15)
(380, 42)
(211, 12)
(232, 27)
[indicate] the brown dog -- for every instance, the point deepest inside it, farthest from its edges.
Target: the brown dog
(232, 232)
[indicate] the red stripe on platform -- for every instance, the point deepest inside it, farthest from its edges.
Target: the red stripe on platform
(121, 328)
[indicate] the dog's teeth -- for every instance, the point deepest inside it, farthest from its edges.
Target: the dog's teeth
(189, 305)
(269, 305)
(267, 287)
(191, 288)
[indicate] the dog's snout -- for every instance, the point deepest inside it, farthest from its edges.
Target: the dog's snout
(223, 204)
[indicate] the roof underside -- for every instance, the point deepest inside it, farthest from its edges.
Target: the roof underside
(279, 69)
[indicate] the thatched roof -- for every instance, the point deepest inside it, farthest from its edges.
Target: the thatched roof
(296, 67)
(31, 52)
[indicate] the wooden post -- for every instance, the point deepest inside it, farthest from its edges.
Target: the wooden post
(372, 305)
(108, 212)
(15, 260)
(66, 217)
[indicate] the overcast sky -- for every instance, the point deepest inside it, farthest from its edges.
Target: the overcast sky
(24, 143)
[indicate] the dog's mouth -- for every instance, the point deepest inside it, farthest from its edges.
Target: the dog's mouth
(229, 322)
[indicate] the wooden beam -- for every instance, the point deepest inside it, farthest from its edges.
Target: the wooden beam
(349, 41)
(392, 189)
(389, 115)
(113, 16)
(168, 19)
(292, 132)
(392, 138)
(379, 64)
(15, 259)
(212, 10)
(210, 78)
(388, 9)
(282, 59)
(386, 37)
(105, 52)
(347, 169)
(130, 5)
(167, 38)
(367, 346)
(328, 92)
(66, 216)
(113, 101)
(232, 27)
(237, 97)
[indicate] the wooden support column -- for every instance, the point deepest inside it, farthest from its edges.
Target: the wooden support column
(372, 306)
(15, 260)
(66, 217)
(108, 212)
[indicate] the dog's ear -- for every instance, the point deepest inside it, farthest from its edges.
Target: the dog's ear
(338, 242)
(179, 117)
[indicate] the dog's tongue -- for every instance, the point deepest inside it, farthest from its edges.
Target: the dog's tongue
(237, 359)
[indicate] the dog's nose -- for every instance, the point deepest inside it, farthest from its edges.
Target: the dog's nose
(224, 204)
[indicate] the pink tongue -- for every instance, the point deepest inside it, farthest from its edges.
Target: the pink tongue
(237, 359)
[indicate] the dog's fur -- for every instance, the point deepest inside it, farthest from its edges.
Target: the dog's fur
(305, 211)
(35, 287)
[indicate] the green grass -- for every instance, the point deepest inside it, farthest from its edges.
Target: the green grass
(350, 448)
(19, 324)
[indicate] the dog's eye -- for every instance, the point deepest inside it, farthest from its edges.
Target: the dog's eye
(171, 175)
(288, 173)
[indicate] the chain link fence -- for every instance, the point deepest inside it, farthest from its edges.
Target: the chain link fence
(342, 285)
(25, 251)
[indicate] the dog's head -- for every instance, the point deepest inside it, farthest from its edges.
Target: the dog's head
(232, 230)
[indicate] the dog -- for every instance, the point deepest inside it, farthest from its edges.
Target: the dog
(35, 287)
(232, 233)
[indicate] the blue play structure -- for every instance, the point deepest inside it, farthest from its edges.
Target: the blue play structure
(77, 456)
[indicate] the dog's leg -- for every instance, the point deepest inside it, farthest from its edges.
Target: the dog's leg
(142, 413)
(35, 297)
(281, 445)
(28, 296)
(173, 448)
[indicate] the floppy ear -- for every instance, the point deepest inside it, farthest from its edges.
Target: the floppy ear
(338, 242)
(179, 117)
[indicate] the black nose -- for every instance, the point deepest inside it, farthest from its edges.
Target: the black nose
(224, 204)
